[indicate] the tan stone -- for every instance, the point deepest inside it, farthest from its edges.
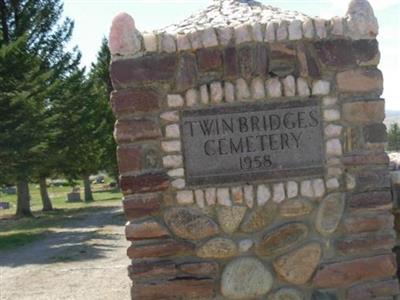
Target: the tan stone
(217, 248)
(298, 266)
(229, 218)
(295, 208)
(282, 238)
(259, 219)
(145, 230)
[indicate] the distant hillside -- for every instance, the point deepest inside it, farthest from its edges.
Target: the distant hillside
(392, 116)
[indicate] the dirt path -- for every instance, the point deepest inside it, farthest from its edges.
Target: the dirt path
(84, 260)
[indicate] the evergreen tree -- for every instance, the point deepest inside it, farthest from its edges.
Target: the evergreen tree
(100, 77)
(32, 41)
(394, 137)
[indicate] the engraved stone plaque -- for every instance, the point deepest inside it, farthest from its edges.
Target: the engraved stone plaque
(249, 142)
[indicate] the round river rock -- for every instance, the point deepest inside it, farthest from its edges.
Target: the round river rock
(245, 278)
(189, 223)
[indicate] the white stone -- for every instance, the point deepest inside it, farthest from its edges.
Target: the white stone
(223, 197)
(279, 192)
(178, 183)
(195, 40)
(333, 161)
(211, 196)
(172, 161)
(175, 100)
(282, 31)
(263, 194)
(204, 97)
(292, 189)
(192, 97)
(184, 197)
(332, 184)
(225, 35)
(308, 29)
(289, 86)
(183, 42)
(333, 147)
(176, 172)
(318, 187)
(216, 92)
(303, 89)
(333, 131)
(306, 189)
(257, 89)
(249, 195)
(199, 196)
(331, 115)
(274, 88)
(209, 38)
(337, 26)
(329, 100)
(171, 146)
(320, 28)
(350, 182)
(229, 90)
(242, 90)
(270, 32)
(170, 116)
(172, 131)
(150, 42)
(245, 245)
(167, 43)
(361, 21)
(243, 34)
(321, 87)
(257, 32)
(295, 30)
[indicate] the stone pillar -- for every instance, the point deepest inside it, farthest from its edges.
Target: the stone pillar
(251, 156)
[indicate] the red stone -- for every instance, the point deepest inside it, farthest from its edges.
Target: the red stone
(246, 61)
(159, 249)
(363, 112)
(342, 274)
(367, 223)
(370, 201)
(126, 102)
(282, 51)
(178, 288)
(366, 51)
(165, 268)
(209, 59)
(365, 159)
(199, 268)
(360, 80)
(308, 66)
(129, 158)
(186, 76)
(231, 68)
(374, 290)
(137, 206)
(126, 72)
(371, 179)
(127, 131)
(145, 230)
(261, 60)
(335, 53)
(144, 183)
(362, 244)
(375, 133)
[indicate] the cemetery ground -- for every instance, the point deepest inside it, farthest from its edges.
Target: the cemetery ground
(77, 251)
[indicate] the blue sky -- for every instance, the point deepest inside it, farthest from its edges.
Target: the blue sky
(93, 18)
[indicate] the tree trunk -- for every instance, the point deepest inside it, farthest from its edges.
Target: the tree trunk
(23, 199)
(47, 206)
(88, 189)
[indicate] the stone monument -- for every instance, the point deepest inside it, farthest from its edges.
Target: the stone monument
(251, 155)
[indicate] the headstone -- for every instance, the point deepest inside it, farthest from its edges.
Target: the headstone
(252, 139)
(4, 205)
(74, 197)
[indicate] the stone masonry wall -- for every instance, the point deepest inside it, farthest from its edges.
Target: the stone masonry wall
(300, 237)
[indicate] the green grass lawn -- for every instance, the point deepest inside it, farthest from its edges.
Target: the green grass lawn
(18, 232)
